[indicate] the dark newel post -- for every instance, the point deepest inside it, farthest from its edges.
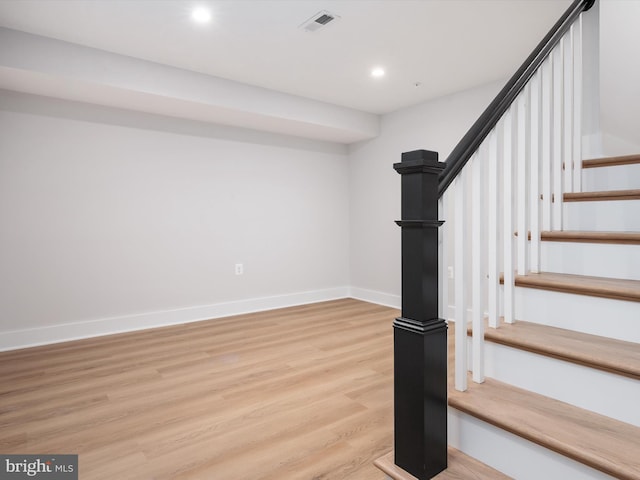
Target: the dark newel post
(420, 337)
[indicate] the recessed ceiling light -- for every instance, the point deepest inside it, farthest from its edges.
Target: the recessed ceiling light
(377, 72)
(201, 15)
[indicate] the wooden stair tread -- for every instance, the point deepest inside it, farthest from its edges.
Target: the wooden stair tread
(626, 238)
(608, 445)
(611, 161)
(616, 288)
(460, 467)
(602, 196)
(600, 442)
(611, 355)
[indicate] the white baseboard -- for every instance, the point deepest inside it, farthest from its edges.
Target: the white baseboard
(372, 296)
(12, 340)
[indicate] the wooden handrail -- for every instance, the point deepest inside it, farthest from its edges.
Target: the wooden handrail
(487, 121)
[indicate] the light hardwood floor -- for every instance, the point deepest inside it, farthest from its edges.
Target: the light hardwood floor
(298, 393)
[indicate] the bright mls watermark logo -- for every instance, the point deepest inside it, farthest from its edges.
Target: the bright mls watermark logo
(50, 467)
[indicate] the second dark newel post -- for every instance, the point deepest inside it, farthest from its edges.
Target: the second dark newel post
(420, 337)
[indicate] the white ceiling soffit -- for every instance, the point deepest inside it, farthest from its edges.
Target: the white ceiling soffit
(42, 66)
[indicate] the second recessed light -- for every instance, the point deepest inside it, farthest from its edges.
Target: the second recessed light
(201, 15)
(377, 72)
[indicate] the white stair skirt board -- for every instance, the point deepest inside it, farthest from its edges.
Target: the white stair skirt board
(12, 340)
(602, 392)
(511, 454)
(620, 177)
(591, 259)
(598, 316)
(603, 216)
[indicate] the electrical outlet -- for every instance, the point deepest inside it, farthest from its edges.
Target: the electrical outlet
(450, 270)
(239, 269)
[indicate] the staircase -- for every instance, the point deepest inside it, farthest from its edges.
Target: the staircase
(562, 397)
(547, 385)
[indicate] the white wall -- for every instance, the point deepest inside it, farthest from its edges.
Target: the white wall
(375, 187)
(114, 220)
(620, 76)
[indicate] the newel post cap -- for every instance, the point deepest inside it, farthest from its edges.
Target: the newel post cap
(419, 161)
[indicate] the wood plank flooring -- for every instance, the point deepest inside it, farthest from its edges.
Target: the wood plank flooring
(298, 393)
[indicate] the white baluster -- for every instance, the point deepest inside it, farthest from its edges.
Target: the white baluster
(507, 202)
(547, 132)
(567, 157)
(459, 280)
(591, 130)
(539, 133)
(477, 317)
(558, 61)
(443, 258)
(520, 167)
(534, 184)
(492, 226)
(576, 33)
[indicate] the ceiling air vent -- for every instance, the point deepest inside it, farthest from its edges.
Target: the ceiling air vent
(319, 20)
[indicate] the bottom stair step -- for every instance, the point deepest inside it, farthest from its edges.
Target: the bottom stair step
(602, 443)
(461, 467)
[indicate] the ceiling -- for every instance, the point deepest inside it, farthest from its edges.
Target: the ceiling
(429, 48)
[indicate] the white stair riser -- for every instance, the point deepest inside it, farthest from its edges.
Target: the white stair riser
(592, 259)
(615, 216)
(513, 455)
(621, 177)
(602, 392)
(598, 316)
